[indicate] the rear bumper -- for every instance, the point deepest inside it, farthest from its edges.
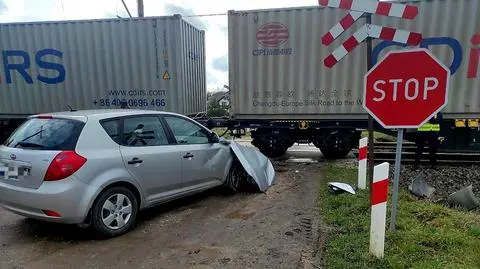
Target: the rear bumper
(69, 198)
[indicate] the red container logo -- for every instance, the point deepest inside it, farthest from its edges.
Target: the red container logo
(272, 34)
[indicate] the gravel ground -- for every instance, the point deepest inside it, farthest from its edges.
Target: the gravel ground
(445, 179)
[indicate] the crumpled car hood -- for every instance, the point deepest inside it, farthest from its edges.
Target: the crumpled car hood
(257, 165)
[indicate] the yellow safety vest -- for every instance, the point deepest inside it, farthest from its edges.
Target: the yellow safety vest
(429, 127)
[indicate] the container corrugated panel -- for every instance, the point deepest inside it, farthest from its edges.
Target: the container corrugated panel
(276, 61)
(50, 66)
(194, 80)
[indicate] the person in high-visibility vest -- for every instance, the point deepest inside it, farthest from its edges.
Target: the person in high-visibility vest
(428, 135)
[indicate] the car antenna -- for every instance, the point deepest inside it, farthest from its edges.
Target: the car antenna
(71, 109)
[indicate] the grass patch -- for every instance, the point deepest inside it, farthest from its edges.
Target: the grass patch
(428, 235)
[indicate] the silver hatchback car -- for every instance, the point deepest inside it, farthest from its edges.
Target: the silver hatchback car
(102, 166)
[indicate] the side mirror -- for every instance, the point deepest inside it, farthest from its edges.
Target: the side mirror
(214, 137)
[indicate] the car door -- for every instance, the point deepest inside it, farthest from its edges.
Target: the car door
(150, 157)
(204, 163)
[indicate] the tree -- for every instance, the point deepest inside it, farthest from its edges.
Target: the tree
(214, 109)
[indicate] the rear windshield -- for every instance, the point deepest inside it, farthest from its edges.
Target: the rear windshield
(46, 134)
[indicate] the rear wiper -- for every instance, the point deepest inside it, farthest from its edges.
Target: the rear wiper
(35, 134)
(28, 145)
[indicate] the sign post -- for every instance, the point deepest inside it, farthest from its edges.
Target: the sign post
(405, 90)
(357, 9)
(396, 178)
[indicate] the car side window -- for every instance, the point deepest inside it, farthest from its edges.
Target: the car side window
(187, 132)
(143, 131)
(112, 128)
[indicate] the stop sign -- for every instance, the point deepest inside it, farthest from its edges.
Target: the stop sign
(406, 88)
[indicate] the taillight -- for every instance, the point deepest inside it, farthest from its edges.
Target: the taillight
(65, 164)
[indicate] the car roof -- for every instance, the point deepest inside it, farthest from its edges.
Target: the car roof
(100, 114)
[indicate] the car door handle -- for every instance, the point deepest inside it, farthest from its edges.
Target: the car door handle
(135, 161)
(188, 155)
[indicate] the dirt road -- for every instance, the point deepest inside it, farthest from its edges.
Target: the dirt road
(211, 230)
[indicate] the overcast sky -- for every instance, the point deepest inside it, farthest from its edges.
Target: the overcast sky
(215, 26)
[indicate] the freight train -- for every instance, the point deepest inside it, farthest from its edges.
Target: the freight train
(279, 86)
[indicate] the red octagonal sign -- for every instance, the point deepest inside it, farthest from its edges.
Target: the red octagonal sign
(406, 88)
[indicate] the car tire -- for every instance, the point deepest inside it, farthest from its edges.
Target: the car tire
(233, 181)
(110, 216)
(238, 180)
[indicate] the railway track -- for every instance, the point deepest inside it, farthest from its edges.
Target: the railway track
(385, 152)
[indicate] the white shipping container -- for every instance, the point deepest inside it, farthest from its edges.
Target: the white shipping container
(149, 63)
(277, 71)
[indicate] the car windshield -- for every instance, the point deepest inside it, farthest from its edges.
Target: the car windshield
(46, 134)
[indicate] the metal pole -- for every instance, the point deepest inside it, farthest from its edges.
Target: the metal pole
(371, 147)
(396, 179)
(140, 8)
(126, 8)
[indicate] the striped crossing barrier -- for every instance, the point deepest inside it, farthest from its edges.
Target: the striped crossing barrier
(374, 7)
(362, 163)
(341, 27)
(357, 9)
(379, 209)
(374, 31)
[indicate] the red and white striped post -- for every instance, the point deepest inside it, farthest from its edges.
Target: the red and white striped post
(362, 163)
(379, 210)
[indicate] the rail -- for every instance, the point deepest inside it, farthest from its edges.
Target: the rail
(385, 152)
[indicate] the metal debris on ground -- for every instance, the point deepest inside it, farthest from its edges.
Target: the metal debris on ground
(338, 187)
(464, 198)
(420, 187)
(445, 179)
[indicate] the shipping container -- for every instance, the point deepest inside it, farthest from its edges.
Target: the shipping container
(146, 63)
(277, 71)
